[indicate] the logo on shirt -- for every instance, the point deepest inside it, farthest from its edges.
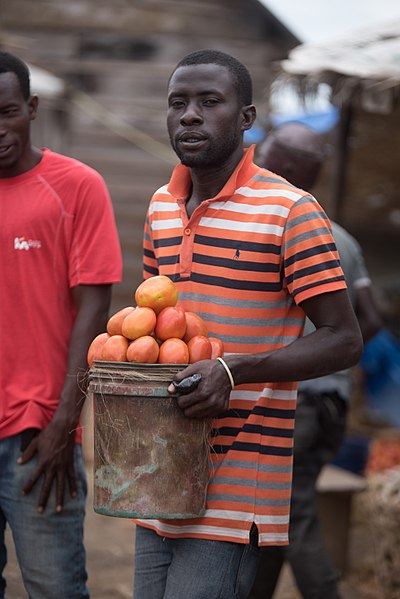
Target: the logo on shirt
(20, 243)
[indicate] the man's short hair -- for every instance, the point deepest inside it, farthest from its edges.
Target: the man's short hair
(241, 76)
(12, 64)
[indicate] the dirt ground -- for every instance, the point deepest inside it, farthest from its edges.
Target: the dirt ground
(110, 545)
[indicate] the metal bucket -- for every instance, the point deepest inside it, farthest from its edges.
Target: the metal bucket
(150, 461)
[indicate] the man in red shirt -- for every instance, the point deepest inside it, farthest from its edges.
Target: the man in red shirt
(59, 256)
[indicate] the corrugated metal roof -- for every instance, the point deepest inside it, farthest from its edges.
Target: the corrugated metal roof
(366, 63)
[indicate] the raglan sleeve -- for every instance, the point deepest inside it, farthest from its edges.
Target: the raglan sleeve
(310, 258)
(95, 252)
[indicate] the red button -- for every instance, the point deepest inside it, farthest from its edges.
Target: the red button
(187, 231)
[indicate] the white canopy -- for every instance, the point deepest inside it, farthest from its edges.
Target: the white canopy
(367, 61)
(45, 84)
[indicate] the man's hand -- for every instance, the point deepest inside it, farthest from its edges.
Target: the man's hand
(211, 396)
(55, 448)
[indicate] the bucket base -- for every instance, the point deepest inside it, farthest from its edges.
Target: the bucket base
(124, 514)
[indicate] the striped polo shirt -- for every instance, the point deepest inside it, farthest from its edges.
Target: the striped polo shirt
(243, 262)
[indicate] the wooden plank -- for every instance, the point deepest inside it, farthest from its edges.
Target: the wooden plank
(337, 480)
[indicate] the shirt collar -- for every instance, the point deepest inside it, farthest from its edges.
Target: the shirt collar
(181, 182)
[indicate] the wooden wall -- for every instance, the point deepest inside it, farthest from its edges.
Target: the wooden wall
(120, 54)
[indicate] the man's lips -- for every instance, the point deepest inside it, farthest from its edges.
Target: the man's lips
(4, 148)
(191, 139)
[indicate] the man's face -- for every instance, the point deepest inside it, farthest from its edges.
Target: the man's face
(16, 114)
(299, 167)
(205, 122)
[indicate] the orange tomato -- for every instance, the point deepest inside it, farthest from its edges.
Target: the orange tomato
(157, 293)
(114, 324)
(171, 322)
(144, 350)
(199, 349)
(217, 347)
(195, 325)
(173, 351)
(96, 348)
(114, 349)
(139, 322)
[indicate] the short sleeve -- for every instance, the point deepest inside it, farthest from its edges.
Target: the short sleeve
(310, 258)
(95, 252)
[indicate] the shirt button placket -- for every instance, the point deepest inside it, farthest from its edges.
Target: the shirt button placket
(186, 252)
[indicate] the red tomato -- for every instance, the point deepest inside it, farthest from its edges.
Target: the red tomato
(195, 325)
(139, 322)
(173, 351)
(199, 349)
(96, 348)
(171, 322)
(114, 349)
(217, 348)
(157, 293)
(143, 349)
(114, 324)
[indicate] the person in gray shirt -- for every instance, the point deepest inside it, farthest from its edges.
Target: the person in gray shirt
(296, 152)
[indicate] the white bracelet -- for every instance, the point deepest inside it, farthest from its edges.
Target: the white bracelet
(227, 370)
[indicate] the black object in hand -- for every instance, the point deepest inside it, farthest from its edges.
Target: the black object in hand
(188, 384)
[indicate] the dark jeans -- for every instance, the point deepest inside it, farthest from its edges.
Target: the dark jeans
(319, 431)
(49, 546)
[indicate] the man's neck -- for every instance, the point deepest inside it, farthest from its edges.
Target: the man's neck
(25, 164)
(208, 183)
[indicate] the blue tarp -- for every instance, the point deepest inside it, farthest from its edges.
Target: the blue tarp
(321, 122)
(381, 365)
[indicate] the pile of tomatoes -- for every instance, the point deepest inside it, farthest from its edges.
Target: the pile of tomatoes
(155, 331)
(384, 453)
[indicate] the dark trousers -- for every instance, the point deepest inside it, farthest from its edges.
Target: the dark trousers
(319, 431)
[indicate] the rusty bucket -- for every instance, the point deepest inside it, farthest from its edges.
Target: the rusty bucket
(150, 461)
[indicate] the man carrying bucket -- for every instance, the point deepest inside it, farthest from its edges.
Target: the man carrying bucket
(252, 255)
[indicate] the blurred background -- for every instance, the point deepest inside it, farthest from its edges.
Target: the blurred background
(100, 69)
(104, 98)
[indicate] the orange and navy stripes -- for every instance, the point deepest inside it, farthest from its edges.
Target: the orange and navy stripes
(244, 262)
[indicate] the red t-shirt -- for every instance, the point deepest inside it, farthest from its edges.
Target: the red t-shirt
(57, 231)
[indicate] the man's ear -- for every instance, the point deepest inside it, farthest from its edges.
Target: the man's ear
(249, 116)
(33, 104)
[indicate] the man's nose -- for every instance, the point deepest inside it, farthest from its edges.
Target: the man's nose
(4, 126)
(191, 115)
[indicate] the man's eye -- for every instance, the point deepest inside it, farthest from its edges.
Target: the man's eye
(210, 101)
(176, 104)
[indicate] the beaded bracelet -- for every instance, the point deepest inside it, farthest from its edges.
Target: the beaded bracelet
(228, 371)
